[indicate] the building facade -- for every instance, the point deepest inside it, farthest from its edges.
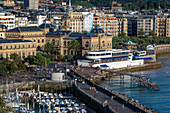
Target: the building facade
(145, 24)
(21, 47)
(97, 39)
(7, 19)
(31, 4)
(32, 33)
(8, 3)
(112, 26)
(162, 26)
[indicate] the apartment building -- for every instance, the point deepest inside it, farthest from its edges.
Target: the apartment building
(21, 21)
(145, 24)
(122, 25)
(112, 26)
(132, 27)
(21, 47)
(100, 20)
(7, 19)
(162, 26)
(8, 3)
(31, 4)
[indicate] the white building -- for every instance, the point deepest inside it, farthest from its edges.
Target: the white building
(40, 19)
(7, 19)
(21, 21)
(88, 22)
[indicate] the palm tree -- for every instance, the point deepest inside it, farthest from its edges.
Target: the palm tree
(74, 45)
(122, 36)
(48, 47)
(152, 33)
(141, 33)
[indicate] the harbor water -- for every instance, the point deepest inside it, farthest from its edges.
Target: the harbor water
(158, 100)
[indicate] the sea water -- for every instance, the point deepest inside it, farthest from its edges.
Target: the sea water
(158, 100)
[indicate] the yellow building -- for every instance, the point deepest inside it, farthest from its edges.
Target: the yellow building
(162, 26)
(8, 3)
(112, 26)
(122, 25)
(96, 40)
(21, 47)
(32, 33)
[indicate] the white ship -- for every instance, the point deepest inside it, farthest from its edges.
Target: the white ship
(110, 59)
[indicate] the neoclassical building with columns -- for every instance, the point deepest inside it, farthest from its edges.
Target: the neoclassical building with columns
(21, 47)
(32, 33)
(97, 39)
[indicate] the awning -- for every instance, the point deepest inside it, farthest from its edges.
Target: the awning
(113, 58)
(147, 58)
(104, 65)
(136, 56)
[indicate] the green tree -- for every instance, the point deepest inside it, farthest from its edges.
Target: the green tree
(15, 57)
(141, 33)
(152, 33)
(3, 107)
(3, 69)
(74, 45)
(30, 59)
(13, 67)
(67, 57)
(48, 47)
(59, 58)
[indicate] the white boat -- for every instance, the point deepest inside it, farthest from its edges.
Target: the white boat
(111, 59)
(150, 48)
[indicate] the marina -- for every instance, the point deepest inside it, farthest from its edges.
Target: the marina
(44, 102)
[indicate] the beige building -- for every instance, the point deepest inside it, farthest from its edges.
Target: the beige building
(32, 33)
(122, 25)
(96, 40)
(162, 26)
(21, 47)
(112, 26)
(145, 24)
(8, 3)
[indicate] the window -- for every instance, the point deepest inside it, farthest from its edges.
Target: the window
(0, 55)
(87, 44)
(23, 55)
(33, 53)
(65, 52)
(53, 42)
(33, 45)
(11, 47)
(103, 44)
(23, 46)
(38, 41)
(42, 40)
(64, 43)
(28, 46)
(68, 43)
(7, 55)
(19, 54)
(0, 47)
(28, 53)
(15, 46)
(19, 46)
(71, 52)
(34, 40)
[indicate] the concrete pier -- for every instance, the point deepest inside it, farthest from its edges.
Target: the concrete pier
(115, 102)
(164, 48)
